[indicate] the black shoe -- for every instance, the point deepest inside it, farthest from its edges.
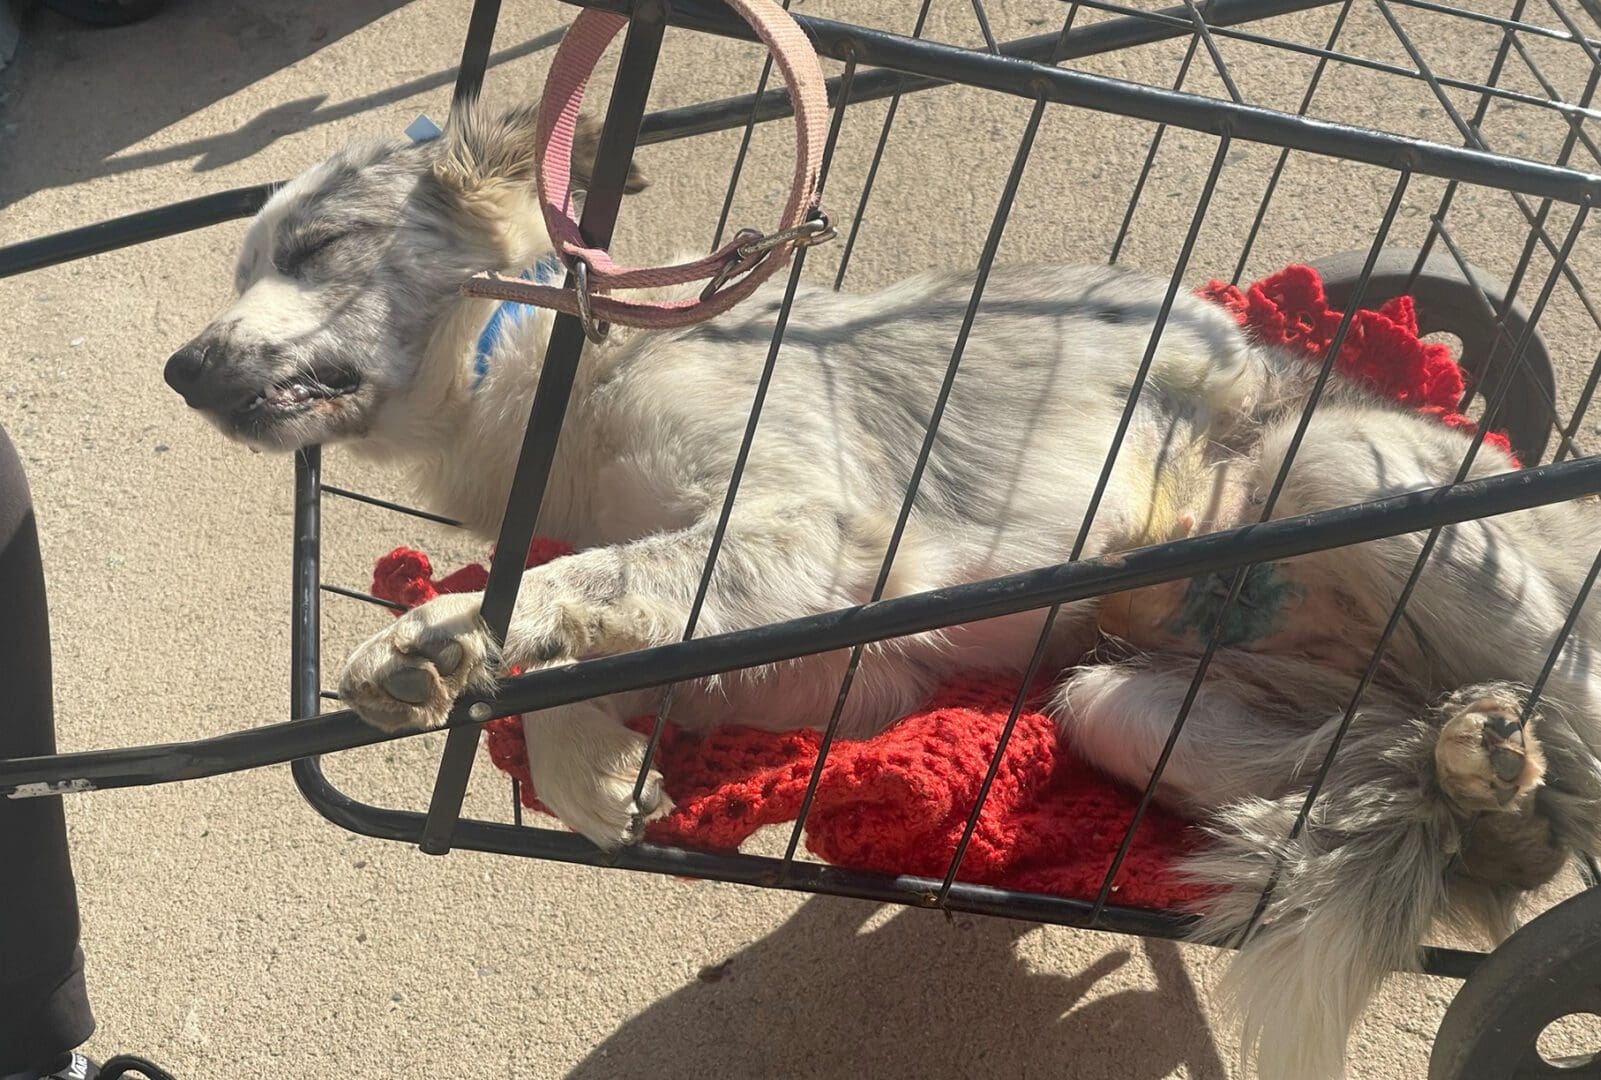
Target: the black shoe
(67, 1067)
(78, 1067)
(130, 1066)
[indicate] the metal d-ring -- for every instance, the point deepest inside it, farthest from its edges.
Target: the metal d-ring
(595, 331)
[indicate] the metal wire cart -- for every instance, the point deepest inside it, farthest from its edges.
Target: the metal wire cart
(1542, 65)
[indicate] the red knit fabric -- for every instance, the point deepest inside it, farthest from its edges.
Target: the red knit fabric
(1381, 348)
(898, 802)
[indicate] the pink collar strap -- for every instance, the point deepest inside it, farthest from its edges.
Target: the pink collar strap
(733, 271)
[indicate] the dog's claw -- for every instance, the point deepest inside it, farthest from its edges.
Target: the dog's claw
(650, 797)
(636, 830)
(653, 803)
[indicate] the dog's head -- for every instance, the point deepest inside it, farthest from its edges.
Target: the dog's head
(348, 270)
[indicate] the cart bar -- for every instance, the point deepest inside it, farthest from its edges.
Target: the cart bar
(1110, 36)
(305, 647)
(641, 46)
(385, 504)
(767, 872)
(1284, 538)
(1023, 78)
(131, 229)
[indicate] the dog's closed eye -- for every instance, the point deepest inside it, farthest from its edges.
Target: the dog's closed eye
(294, 256)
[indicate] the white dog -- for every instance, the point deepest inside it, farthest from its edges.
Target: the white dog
(349, 327)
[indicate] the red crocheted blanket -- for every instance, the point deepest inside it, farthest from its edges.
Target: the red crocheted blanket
(898, 802)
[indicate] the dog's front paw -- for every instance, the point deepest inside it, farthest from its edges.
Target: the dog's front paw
(1486, 758)
(406, 677)
(609, 816)
(584, 766)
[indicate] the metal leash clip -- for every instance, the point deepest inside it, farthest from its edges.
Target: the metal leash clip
(595, 331)
(816, 229)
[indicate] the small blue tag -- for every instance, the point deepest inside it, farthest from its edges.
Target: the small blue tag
(422, 129)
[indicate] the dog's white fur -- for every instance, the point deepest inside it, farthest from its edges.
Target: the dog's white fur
(370, 345)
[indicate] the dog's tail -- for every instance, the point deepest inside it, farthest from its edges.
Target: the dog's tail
(1349, 899)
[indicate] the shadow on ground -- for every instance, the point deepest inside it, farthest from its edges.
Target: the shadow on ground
(76, 98)
(818, 998)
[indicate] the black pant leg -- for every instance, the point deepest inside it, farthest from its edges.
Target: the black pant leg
(44, 1006)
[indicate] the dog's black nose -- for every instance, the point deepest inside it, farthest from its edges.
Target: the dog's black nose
(194, 372)
(183, 371)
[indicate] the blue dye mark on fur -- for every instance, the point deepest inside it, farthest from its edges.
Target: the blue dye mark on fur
(544, 272)
(1255, 614)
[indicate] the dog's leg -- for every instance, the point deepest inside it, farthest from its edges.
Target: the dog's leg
(1424, 815)
(1118, 716)
(774, 564)
(1242, 736)
(583, 761)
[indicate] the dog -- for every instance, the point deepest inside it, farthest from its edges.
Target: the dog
(1446, 801)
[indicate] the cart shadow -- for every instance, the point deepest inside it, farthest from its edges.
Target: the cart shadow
(837, 991)
(186, 58)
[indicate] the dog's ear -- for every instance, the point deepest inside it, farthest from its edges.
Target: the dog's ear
(485, 169)
(482, 150)
(586, 146)
(485, 166)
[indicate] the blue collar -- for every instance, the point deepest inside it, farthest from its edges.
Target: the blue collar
(547, 270)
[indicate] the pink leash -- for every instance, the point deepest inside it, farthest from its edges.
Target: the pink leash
(750, 257)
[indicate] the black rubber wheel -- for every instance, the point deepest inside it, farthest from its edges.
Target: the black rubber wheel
(1449, 301)
(1549, 969)
(106, 12)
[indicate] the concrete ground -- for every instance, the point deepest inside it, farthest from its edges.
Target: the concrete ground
(229, 930)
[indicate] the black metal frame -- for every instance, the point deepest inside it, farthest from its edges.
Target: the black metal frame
(1506, 353)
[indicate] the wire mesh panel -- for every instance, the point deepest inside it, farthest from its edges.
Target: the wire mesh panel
(1449, 154)
(1244, 87)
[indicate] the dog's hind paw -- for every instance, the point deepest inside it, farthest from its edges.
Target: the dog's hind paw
(1487, 758)
(406, 677)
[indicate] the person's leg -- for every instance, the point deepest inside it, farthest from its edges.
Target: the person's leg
(44, 1007)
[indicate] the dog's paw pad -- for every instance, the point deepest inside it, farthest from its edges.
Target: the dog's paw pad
(447, 660)
(407, 677)
(413, 685)
(1487, 757)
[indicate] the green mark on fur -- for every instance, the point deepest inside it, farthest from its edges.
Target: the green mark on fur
(1255, 613)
